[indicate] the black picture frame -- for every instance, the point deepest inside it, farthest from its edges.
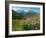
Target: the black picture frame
(7, 17)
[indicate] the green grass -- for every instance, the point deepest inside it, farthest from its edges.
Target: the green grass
(17, 25)
(21, 25)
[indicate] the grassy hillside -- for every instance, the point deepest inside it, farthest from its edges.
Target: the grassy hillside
(25, 20)
(20, 25)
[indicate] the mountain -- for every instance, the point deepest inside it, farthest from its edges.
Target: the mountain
(23, 14)
(16, 15)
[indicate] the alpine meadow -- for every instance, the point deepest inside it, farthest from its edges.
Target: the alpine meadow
(25, 18)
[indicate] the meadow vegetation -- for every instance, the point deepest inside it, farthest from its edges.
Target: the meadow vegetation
(28, 21)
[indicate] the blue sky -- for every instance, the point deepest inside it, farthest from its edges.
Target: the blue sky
(26, 9)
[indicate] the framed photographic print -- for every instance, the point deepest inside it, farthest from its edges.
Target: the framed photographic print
(24, 18)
